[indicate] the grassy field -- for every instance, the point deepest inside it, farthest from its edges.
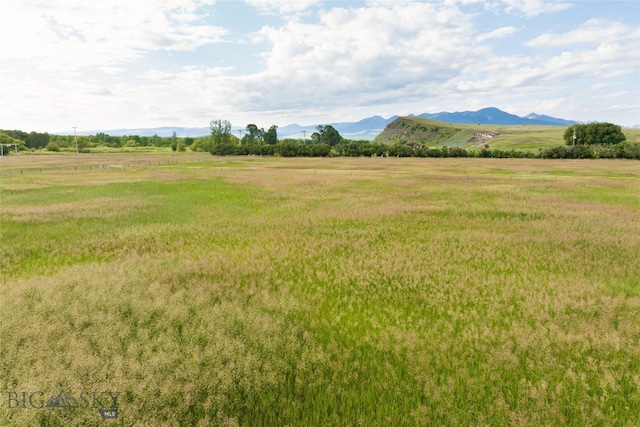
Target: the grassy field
(536, 137)
(503, 137)
(194, 290)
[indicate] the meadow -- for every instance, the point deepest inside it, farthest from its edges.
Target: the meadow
(201, 291)
(527, 138)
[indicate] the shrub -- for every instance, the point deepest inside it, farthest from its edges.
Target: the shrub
(52, 146)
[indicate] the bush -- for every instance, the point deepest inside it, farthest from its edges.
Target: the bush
(52, 146)
(554, 153)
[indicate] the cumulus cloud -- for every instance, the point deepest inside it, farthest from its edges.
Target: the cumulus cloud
(498, 33)
(531, 76)
(533, 8)
(594, 31)
(76, 34)
(381, 52)
(285, 7)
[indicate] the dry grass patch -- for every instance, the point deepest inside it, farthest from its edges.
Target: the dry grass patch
(102, 207)
(331, 292)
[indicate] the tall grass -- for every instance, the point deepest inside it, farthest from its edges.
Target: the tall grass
(326, 292)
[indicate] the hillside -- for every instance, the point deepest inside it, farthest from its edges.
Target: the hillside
(406, 130)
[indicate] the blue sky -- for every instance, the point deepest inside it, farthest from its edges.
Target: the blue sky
(112, 64)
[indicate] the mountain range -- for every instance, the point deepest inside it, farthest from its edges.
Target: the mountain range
(495, 116)
(365, 129)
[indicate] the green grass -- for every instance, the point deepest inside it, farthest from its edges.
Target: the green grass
(520, 137)
(460, 139)
(527, 137)
(324, 292)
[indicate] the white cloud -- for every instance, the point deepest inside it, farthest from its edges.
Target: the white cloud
(594, 31)
(533, 8)
(498, 33)
(285, 7)
(164, 62)
(103, 91)
(531, 75)
(368, 55)
(57, 35)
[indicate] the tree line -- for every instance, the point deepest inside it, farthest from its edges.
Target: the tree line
(596, 140)
(295, 148)
(217, 142)
(221, 134)
(590, 141)
(36, 140)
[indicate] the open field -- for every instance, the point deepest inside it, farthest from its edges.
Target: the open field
(536, 137)
(502, 137)
(351, 291)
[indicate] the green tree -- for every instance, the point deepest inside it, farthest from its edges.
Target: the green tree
(84, 143)
(63, 141)
(9, 144)
(254, 134)
(220, 131)
(174, 141)
(135, 138)
(271, 136)
(17, 134)
(326, 134)
(37, 140)
(594, 133)
(52, 146)
(319, 150)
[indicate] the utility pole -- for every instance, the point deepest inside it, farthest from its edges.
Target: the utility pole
(75, 135)
(304, 136)
(240, 137)
(574, 135)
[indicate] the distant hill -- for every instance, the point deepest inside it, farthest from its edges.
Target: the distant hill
(549, 120)
(164, 132)
(495, 116)
(365, 129)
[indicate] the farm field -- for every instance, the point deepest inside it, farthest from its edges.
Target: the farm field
(195, 291)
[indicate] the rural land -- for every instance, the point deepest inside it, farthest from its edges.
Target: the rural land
(439, 274)
(489, 132)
